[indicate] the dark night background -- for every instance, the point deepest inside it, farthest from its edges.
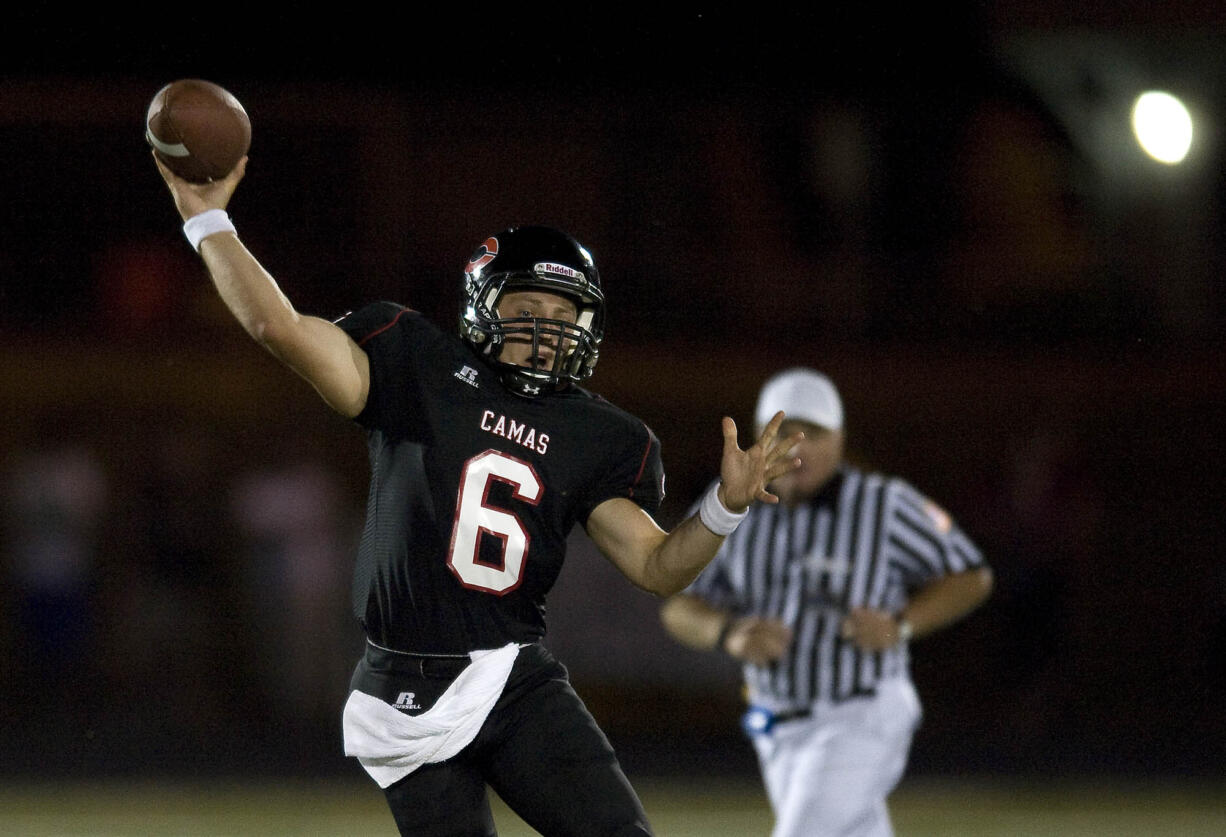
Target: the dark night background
(944, 211)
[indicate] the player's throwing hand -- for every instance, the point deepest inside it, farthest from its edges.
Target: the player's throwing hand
(193, 198)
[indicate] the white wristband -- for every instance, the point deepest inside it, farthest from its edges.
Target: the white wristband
(715, 516)
(198, 227)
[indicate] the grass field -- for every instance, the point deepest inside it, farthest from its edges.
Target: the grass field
(921, 808)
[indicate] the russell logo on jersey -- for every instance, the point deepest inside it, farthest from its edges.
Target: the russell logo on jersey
(469, 376)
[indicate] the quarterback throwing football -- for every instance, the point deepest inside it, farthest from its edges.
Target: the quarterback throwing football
(485, 452)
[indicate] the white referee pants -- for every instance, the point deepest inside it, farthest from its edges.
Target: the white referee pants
(829, 774)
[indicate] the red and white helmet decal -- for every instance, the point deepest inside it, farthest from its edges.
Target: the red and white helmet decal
(484, 255)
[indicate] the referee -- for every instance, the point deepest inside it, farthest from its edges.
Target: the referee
(819, 597)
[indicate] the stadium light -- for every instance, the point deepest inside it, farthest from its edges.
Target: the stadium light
(1162, 126)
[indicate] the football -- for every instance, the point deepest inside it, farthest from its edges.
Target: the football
(198, 129)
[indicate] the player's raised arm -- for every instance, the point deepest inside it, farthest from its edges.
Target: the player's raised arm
(665, 562)
(315, 348)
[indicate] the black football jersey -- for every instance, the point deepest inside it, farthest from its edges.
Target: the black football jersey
(474, 489)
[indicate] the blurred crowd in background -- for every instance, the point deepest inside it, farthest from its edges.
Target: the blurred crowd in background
(1028, 331)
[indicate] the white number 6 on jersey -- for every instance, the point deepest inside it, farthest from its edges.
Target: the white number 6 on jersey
(474, 517)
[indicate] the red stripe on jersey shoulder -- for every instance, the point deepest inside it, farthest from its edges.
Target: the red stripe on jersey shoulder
(642, 464)
(386, 326)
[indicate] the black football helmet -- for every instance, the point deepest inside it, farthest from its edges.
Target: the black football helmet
(549, 260)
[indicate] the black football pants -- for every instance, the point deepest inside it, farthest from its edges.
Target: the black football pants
(540, 749)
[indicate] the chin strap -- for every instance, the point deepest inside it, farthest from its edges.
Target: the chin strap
(521, 384)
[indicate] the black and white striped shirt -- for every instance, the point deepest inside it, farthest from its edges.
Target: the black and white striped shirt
(866, 540)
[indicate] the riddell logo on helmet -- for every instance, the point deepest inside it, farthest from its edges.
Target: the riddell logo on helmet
(561, 269)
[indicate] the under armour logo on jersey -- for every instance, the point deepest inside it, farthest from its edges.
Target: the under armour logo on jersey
(469, 376)
(406, 701)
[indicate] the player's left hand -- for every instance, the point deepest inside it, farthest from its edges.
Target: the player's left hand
(871, 630)
(745, 474)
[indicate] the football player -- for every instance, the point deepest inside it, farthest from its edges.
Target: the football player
(485, 451)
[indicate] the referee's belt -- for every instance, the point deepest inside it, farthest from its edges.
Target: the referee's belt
(758, 720)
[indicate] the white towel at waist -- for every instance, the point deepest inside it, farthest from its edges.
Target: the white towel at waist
(391, 745)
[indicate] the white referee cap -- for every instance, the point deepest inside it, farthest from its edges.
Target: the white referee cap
(803, 395)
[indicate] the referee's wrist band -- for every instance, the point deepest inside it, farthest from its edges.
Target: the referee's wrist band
(209, 222)
(715, 516)
(905, 630)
